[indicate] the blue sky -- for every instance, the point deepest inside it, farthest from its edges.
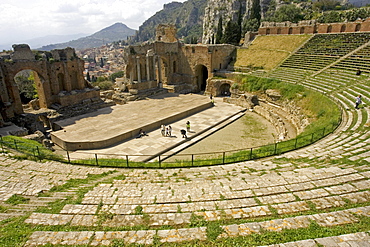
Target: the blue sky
(23, 20)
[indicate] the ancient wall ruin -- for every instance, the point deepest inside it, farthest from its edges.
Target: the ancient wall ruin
(183, 67)
(58, 79)
(312, 27)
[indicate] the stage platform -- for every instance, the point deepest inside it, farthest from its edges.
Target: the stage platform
(112, 125)
(149, 147)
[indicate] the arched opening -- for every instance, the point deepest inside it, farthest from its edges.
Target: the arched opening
(290, 31)
(301, 31)
(267, 31)
(358, 27)
(201, 74)
(329, 29)
(27, 81)
(279, 31)
(225, 90)
(343, 28)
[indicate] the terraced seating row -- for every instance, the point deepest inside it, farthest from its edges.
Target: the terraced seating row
(360, 60)
(169, 203)
(96, 238)
(310, 62)
(334, 44)
(323, 49)
(29, 178)
(353, 239)
(291, 75)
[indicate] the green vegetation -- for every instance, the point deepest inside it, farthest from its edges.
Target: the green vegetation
(267, 52)
(29, 149)
(17, 199)
(26, 84)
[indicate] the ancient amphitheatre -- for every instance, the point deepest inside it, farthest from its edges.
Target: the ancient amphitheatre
(314, 196)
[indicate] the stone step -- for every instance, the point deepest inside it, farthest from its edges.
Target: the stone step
(198, 233)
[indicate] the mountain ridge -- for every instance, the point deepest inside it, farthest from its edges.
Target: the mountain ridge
(117, 31)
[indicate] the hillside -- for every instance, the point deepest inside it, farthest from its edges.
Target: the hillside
(117, 31)
(187, 16)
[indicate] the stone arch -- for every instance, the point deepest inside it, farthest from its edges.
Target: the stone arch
(343, 28)
(358, 27)
(174, 66)
(268, 31)
(290, 31)
(25, 79)
(328, 30)
(279, 30)
(301, 30)
(224, 90)
(201, 75)
(42, 84)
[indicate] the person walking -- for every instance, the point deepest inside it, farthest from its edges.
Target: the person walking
(358, 101)
(188, 126)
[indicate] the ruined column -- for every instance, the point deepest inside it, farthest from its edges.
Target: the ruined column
(147, 68)
(159, 79)
(138, 69)
(154, 69)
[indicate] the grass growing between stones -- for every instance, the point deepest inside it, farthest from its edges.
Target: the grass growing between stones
(17, 199)
(16, 233)
(289, 235)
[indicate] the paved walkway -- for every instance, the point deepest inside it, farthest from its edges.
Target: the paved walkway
(202, 124)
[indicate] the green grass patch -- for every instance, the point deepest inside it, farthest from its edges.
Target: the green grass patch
(268, 51)
(17, 199)
(29, 148)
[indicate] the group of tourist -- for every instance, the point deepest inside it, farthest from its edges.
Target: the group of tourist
(166, 130)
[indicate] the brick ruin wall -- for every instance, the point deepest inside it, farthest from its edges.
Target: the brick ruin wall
(312, 27)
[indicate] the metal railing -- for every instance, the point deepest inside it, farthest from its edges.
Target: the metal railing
(169, 161)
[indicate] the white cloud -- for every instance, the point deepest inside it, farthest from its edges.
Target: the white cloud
(24, 19)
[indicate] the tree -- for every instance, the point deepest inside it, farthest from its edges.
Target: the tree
(251, 25)
(324, 5)
(116, 75)
(219, 33)
(239, 23)
(288, 12)
(231, 34)
(256, 10)
(329, 17)
(26, 86)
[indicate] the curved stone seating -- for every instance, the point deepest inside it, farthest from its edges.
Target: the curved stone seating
(324, 183)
